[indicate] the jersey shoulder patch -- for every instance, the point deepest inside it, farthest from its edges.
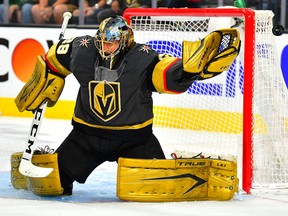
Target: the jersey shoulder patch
(85, 41)
(144, 48)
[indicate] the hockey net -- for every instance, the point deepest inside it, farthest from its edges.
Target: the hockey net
(242, 112)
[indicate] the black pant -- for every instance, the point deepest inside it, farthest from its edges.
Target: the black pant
(81, 153)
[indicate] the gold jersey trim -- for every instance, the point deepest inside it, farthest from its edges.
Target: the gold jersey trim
(159, 78)
(124, 127)
(52, 60)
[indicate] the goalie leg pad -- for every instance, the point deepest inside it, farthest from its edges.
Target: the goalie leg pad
(42, 85)
(50, 185)
(46, 186)
(18, 180)
(153, 180)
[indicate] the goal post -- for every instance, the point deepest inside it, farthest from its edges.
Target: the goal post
(242, 112)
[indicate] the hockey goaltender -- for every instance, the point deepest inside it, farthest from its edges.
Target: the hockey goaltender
(113, 115)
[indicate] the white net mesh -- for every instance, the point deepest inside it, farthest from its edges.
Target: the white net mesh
(209, 116)
(271, 103)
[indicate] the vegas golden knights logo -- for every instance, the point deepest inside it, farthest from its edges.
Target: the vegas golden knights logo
(105, 99)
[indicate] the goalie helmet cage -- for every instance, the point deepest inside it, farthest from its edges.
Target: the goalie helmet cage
(241, 112)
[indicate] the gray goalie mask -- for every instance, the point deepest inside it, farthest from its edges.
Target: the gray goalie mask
(114, 29)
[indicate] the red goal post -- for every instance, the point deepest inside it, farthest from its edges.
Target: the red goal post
(171, 26)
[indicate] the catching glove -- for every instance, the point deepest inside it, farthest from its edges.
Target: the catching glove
(213, 54)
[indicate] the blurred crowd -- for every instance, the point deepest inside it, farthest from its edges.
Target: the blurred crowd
(51, 11)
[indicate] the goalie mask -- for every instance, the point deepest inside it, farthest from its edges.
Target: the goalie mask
(111, 30)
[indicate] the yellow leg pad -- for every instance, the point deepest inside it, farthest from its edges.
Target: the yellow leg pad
(18, 180)
(153, 180)
(46, 186)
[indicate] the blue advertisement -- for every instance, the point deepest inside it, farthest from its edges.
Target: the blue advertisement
(284, 64)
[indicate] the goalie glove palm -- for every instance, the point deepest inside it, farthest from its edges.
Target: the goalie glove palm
(213, 54)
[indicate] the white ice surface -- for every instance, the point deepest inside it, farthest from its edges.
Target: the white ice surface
(97, 196)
